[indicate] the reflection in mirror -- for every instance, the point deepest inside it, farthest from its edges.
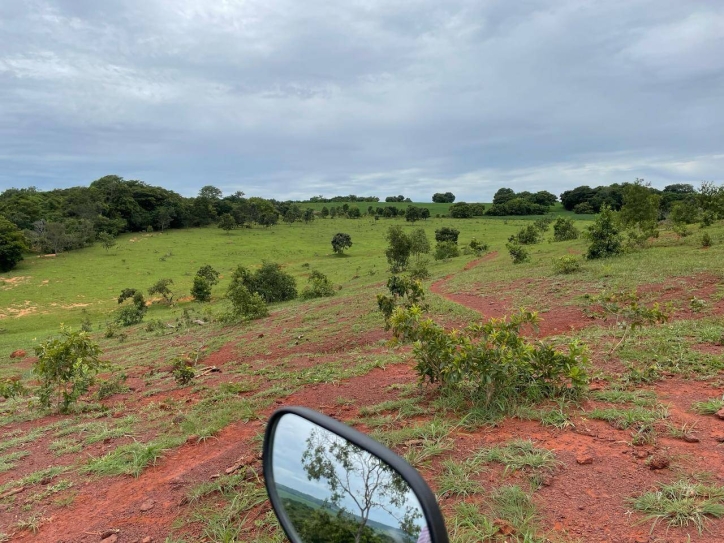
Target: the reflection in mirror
(334, 492)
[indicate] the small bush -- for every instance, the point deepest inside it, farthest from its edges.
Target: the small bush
(208, 273)
(543, 224)
(269, 282)
(526, 236)
(161, 287)
(405, 292)
(183, 370)
(399, 248)
(447, 234)
(319, 286)
(563, 230)
(566, 265)
(706, 240)
(419, 269)
(604, 235)
(133, 313)
(446, 249)
(478, 247)
(201, 289)
(114, 385)
(111, 330)
(245, 304)
(66, 367)
(10, 388)
(518, 253)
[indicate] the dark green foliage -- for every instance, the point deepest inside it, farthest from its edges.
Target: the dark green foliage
(413, 213)
(706, 240)
(227, 222)
(446, 198)
(12, 245)
(563, 230)
(66, 368)
(684, 212)
(340, 242)
(584, 208)
(604, 235)
(640, 211)
(161, 287)
(517, 252)
(528, 235)
(354, 213)
(308, 215)
(503, 195)
(201, 289)
(446, 249)
(245, 304)
(517, 206)
(208, 273)
(461, 210)
(269, 282)
(592, 200)
(133, 313)
(447, 234)
(566, 265)
(319, 286)
(404, 292)
(399, 248)
(490, 361)
(325, 212)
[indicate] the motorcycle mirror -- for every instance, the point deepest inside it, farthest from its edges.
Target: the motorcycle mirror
(330, 483)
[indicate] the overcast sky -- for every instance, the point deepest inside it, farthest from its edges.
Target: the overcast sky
(290, 98)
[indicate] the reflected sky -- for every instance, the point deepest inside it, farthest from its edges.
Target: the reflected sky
(290, 442)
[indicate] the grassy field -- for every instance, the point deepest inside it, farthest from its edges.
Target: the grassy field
(527, 470)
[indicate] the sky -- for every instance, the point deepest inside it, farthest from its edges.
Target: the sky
(290, 99)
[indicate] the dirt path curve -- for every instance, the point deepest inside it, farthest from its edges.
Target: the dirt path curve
(558, 320)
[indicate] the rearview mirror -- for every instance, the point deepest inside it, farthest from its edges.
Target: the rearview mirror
(329, 483)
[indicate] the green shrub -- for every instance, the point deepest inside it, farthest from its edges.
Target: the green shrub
(66, 367)
(183, 370)
(419, 269)
(446, 249)
(269, 282)
(161, 287)
(399, 248)
(447, 234)
(133, 313)
(563, 230)
(604, 235)
(491, 362)
(404, 291)
(319, 286)
(201, 289)
(10, 388)
(518, 253)
(208, 273)
(245, 304)
(528, 235)
(478, 247)
(566, 265)
(543, 224)
(340, 242)
(706, 240)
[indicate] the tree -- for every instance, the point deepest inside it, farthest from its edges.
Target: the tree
(447, 234)
(419, 244)
(308, 215)
(563, 230)
(319, 286)
(399, 248)
(425, 213)
(354, 213)
(358, 480)
(66, 367)
(640, 211)
(325, 212)
(446, 198)
(503, 195)
(12, 245)
(413, 213)
(208, 273)
(107, 240)
(340, 242)
(227, 222)
(269, 282)
(461, 210)
(210, 192)
(201, 289)
(543, 198)
(604, 235)
(161, 287)
(245, 304)
(164, 217)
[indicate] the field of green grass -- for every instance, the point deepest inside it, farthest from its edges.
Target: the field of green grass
(660, 388)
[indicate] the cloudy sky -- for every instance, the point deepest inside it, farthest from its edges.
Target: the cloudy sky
(289, 98)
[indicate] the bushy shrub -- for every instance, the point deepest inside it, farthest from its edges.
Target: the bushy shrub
(566, 265)
(563, 230)
(446, 249)
(490, 361)
(66, 366)
(201, 289)
(405, 292)
(161, 287)
(269, 282)
(706, 240)
(132, 313)
(183, 370)
(319, 286)
(10, 388)
(447, 234)
(419, 268)
(244, 303)
(517, 252)
(478, 247)
(604, 235)
(543, 224)
(208, 273)
(527, 235)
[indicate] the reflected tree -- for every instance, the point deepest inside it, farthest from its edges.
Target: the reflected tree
(353, 476)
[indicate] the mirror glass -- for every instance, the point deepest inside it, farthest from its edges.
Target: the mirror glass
(335, 492)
